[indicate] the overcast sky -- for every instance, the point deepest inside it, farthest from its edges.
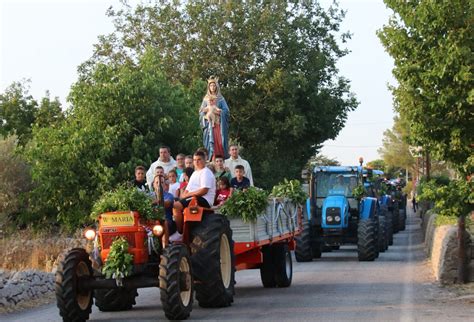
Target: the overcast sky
(45, 41)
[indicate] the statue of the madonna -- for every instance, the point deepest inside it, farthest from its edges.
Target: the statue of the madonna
(214, 117)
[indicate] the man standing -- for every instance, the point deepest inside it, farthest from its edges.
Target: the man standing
(235, 159)
(202, 185)
(165, 160)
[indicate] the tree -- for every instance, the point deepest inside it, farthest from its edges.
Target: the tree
(321, 160)
(395, 149)
(276, 62)
(49, 112)
(121, 114)
(431, 43)
(17, 112)
(378, 164)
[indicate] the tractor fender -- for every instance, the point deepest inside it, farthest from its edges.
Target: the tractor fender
(367, 208)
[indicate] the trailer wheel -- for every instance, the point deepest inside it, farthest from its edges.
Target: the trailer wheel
(176, 283)
(267, 270)
(283, 265)
(213, 261)
(115, 299)
(304, 250)
(74, 304)
(366, 240)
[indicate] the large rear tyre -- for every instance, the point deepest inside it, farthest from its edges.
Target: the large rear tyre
(396, 219)
(304, 250)
(176, 283)
(212, 260)
(115, 299)
(73, 302)
(403, 216)
(367, 240)
(383, 244)
(389, 227)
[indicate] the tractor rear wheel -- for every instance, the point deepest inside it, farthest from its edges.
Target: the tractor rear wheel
(383, 245)
(304, 250)
(74, 304)
(115, 299)
(396, 219)
(403, 216)
(389, 227)
(366, 240)
(213, 262)
(176, 282)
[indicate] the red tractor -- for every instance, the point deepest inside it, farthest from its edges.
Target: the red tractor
(203, 264)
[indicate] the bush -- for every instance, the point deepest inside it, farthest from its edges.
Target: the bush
(15, 180)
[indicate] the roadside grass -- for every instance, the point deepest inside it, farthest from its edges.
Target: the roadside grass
(27, 249)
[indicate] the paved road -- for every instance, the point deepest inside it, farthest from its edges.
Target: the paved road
(398, 286)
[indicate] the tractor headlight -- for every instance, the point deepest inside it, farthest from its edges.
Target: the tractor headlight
(158, 230)
(329, 218)
(337, 218)
(89, 234)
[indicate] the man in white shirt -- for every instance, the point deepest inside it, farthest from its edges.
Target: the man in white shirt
(165, 160)
(234, 160)
(202, 185)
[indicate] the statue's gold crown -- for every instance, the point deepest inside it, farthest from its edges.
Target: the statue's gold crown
(213, 79)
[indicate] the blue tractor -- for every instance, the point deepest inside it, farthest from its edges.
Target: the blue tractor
(335, 217)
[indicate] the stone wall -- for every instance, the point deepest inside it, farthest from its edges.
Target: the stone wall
(24, 286)
(442, 247)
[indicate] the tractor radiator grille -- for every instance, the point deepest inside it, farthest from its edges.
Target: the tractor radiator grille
(107, 239)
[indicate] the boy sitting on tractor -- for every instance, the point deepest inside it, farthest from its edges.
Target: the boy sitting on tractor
(202, 185)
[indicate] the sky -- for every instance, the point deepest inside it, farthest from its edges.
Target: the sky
(46, 40)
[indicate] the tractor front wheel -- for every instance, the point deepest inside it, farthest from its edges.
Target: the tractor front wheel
(367, 240)
(73, 302)
(176, 283)
(304, 250)
(115, 299)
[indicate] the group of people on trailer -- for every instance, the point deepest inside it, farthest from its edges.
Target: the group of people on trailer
(173, 183)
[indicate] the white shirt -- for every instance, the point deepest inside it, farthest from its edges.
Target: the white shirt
(203, 178)
(231, 163)
(167, 166)
(173, 188)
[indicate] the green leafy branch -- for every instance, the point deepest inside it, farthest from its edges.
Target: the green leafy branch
(246, 204)
(358, 192)
(291, 189)
(119, 263)
(126, 198)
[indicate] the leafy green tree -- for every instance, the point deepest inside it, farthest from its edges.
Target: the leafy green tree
(276, 61)
(121, 114)
(17, 112)
(321, 159)
(49, 112)
(378, 164)
(431, 43)
(395, 150)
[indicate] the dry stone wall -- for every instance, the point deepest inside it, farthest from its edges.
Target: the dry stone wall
(23, 286)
